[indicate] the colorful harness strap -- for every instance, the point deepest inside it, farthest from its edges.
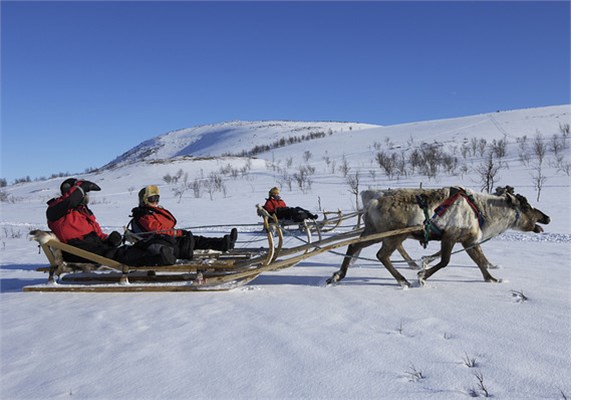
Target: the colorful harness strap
(429, 224)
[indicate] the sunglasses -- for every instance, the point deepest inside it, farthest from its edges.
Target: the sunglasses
(153, 199)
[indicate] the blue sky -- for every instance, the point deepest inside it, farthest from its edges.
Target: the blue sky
(83, 82)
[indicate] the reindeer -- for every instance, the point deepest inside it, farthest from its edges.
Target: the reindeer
(448, 215)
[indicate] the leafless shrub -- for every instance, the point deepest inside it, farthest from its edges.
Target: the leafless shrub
(9, 198)
(372, 174)
(327, 160)
(556, 145)
(566, 168)
(286, 181)
(521, 298)
(481, 388)
(214, 184)
(426, 159)
(488, 171)
(499, 148)
(307, 155)
(168, 178)
(482, 145)
(538, 180)
(387, 163)
(178, 191)
(303, 177)
(353, 182)
(400, 329)
(469, 361)
(449, 163)
(413, 374)
(388, 143)
(345, 167)
(565, 129)
(465, 150)
(196, 187)
(12, 234)
(539, 147)
(523, 149)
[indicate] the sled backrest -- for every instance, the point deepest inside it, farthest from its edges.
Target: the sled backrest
(53, 249)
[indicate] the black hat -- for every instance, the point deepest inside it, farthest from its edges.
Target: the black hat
(67, 184)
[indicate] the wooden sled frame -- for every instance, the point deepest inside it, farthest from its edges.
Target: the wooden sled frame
(331, 220)
(213, 271)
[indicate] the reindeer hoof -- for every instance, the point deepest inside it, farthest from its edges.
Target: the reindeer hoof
(492, 279)
(421, 275)
(334, 278)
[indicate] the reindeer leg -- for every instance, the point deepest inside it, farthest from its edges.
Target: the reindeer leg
(411, 263)
(352, 251)
(425, 260)
(476, 254)
(383, 255)
(446, 252)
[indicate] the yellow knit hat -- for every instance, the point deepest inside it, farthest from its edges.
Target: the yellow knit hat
(148, 191)
(274, 191)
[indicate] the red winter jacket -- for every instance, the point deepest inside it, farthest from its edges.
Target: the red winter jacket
(156, 219)
(69, 219)
(273, 203)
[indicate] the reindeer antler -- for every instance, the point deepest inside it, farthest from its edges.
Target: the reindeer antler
(504, 190)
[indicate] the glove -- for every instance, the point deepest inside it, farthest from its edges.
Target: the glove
(88, 186)
(114, 239)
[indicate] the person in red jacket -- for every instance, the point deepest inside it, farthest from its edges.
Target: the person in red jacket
(276, 205)
(150, 217)
(71, 220)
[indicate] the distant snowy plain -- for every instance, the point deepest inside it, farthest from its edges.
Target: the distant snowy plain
(287, 335)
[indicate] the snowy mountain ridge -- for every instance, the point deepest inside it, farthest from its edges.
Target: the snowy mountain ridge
(228, 138)
(265, 139)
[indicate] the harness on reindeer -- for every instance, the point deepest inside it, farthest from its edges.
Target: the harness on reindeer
(431, 230)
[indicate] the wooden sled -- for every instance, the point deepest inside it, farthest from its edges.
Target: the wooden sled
(208, 271)
(102, 274)
(308, 227)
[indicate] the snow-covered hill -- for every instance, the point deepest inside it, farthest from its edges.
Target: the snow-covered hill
(230, 138)
(287, 334)
(261, 138)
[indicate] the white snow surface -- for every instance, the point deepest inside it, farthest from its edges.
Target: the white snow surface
(288, 335)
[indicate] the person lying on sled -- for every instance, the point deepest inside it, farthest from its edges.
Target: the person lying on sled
(73, 223)
(276, 205)
(150, 217)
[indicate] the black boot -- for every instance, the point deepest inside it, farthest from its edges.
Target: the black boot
(185, 246)
(233, 235)
(226, 243)
(167, 256)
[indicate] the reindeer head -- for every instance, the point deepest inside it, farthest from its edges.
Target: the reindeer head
(528, 216)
